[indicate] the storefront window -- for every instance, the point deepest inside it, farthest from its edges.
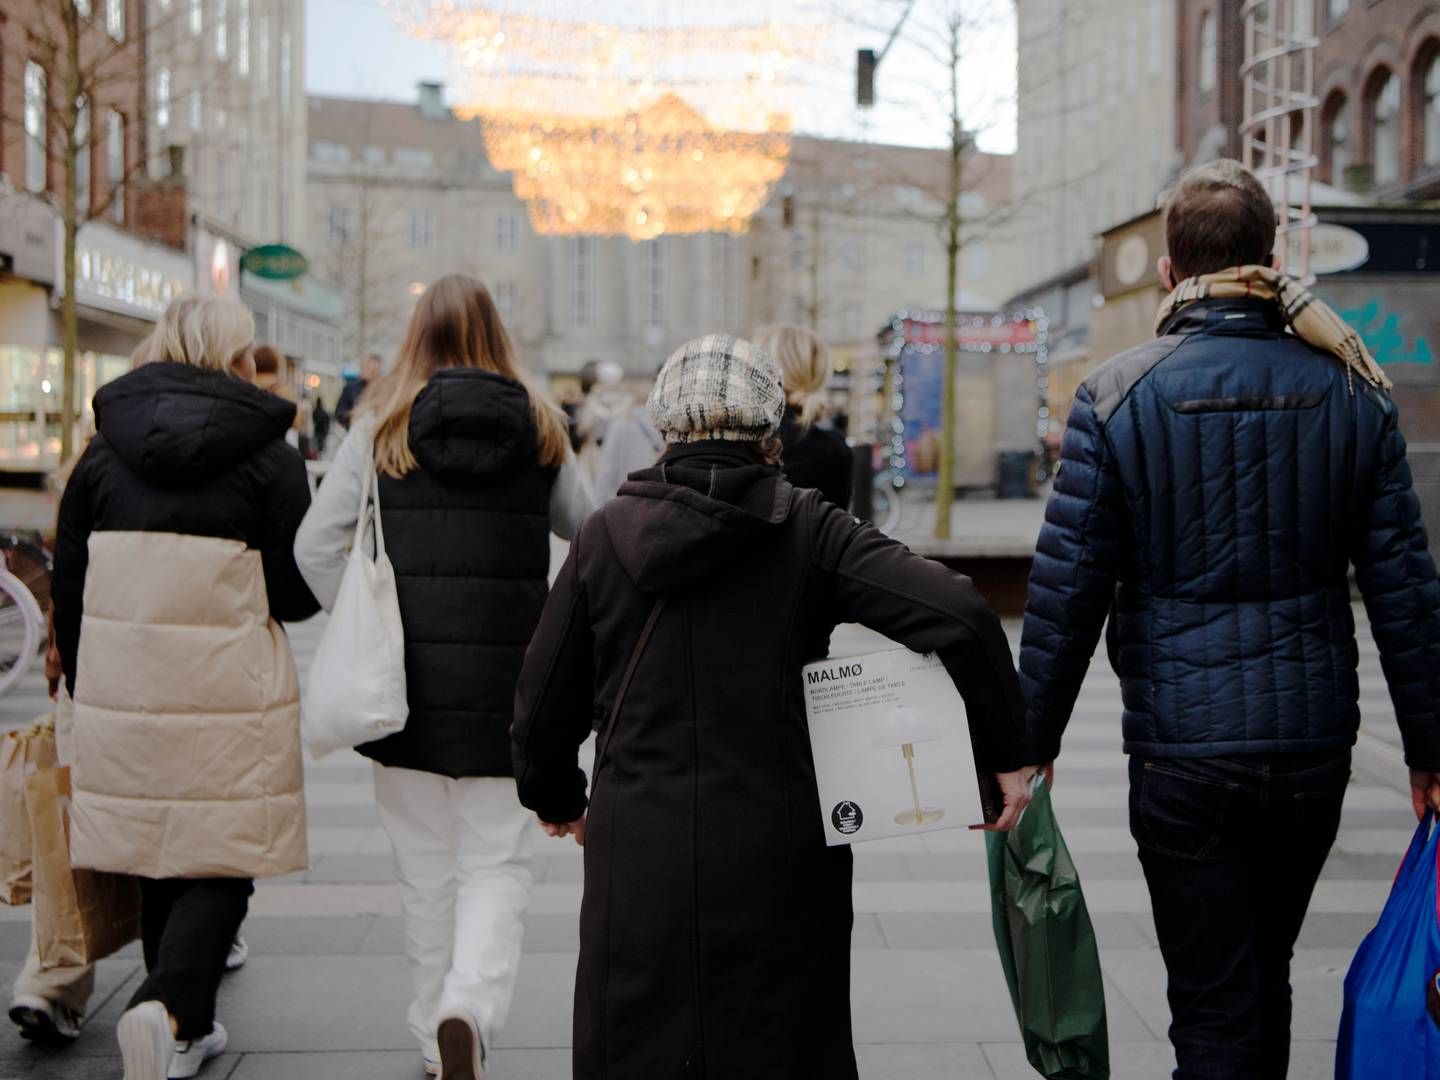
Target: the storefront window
(30, 402)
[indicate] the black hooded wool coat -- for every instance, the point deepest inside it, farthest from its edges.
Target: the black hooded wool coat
(715, 927)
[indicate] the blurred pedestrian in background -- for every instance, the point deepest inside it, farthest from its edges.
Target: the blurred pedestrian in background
(475, 472)
(715, 926)
(1216, 486)
(320, 425)
(173, 569)
(617, 438)
(351, 392)
(272, 376)
(813, 457)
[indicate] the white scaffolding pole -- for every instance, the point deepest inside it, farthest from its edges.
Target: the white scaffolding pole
(1277, 129)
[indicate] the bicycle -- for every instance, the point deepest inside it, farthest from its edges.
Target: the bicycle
(23, 633)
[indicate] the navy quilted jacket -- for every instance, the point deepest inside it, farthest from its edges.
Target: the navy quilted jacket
(1217, 484)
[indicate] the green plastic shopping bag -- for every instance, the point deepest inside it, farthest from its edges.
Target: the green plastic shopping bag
(1047, 946)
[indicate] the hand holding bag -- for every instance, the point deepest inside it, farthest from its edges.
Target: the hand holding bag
(1047, 946)
(356, 690)
(1391, 1022)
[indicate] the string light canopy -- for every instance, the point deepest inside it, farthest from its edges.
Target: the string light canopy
(669, 123)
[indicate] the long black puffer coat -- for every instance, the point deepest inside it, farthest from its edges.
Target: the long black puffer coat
(715, 928)
(1216, 486)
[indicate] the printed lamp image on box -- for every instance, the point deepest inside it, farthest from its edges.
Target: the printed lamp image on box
(892, 748)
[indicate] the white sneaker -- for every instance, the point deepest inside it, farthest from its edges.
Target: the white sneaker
(146, 1045)
(462, 1051)
(44, 1022)
(189, 1056)
(239, 953)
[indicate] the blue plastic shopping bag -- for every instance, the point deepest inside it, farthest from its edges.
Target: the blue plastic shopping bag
(1391, 1023)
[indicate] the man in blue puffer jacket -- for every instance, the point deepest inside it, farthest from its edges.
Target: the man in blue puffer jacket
(1216, 486)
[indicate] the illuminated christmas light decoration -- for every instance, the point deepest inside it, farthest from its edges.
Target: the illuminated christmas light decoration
(669, 127)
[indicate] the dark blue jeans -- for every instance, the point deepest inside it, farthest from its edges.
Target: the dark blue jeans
(1231, 849)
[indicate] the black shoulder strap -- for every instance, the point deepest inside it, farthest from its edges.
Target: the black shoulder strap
(604, 753)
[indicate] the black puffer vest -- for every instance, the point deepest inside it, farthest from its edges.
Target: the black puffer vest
(469, 536)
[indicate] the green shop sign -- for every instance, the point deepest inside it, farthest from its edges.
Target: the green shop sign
(278, 262)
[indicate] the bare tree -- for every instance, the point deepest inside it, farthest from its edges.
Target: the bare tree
(364, 243)
(946, 32)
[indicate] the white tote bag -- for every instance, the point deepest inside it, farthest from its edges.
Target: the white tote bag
(356, 690)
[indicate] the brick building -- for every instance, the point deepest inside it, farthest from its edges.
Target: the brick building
(130, 258)
(1377, 75)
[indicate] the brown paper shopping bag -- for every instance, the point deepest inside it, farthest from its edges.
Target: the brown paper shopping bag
(80, 915)
(22, 754)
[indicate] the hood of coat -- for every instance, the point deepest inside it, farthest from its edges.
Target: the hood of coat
(704, 506)
(176, 425)
(468, 423)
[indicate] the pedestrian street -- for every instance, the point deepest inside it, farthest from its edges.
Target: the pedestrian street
(324, 993)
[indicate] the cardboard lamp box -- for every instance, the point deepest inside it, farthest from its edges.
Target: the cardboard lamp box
(892, 748)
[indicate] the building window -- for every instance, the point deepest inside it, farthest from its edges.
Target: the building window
(1209, 53)
(83, 7)
(914, 260)
(1385, 129)
(36, 148)
(114, 18)
(1336, 9)
(340, 226)
(197, 111)
(262, 54)
(422, 230)
(582, 281)
(115, 163)
(507, 232)
(285, 66)
(1430, 125)
(242, 38)
(162, 98)
(222, 29)
(197, 17)
(656, 282)
(82, 156)
(413, 158)
(374, 155)
(1337, 140)
(507, 300)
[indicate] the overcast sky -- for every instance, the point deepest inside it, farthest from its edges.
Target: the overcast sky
(354, 48)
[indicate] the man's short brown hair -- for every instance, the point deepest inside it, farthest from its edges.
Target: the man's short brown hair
(1218, 216)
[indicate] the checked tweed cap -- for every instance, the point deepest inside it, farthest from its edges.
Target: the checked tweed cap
(717, 387)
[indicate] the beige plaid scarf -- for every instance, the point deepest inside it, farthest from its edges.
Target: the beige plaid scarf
(1311, 319)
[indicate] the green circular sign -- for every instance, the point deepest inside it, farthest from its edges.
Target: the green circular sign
(278, 262)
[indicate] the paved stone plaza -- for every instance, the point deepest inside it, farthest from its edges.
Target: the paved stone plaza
(323, 995)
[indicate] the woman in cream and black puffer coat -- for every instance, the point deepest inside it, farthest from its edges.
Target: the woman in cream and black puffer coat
(173, 567)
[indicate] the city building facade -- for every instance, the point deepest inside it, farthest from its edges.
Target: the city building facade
(227, 116)
(1096, 121)
(128, 265)
(403, 192)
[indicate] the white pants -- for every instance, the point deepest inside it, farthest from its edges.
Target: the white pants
(462, 856)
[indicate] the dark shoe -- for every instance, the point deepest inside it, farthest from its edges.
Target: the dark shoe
(462, 1051)
(44, 1022)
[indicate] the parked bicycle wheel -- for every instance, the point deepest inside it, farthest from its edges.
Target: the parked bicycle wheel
(28, 560)
(22, 630)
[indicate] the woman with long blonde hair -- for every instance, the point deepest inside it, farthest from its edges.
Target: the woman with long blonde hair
(813, 456)
(475, 471)
(174, 568)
